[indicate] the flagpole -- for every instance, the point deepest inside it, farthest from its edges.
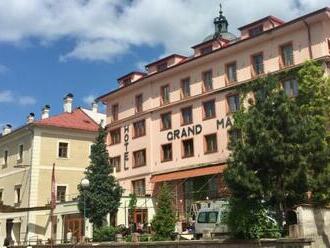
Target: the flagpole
(52, 206)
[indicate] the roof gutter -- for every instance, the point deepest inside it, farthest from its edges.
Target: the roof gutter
(309, 39)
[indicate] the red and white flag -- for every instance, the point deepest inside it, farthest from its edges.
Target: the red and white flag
(53, 189)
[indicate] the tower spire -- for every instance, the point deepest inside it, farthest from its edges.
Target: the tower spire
(220, 23)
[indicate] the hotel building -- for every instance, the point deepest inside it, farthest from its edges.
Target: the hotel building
(27, 155)
(171, 123)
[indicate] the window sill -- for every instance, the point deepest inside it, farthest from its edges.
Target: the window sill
(208, 118)
(63, 158)
(166, 160)
(188, 156)
(165, 129)
(186, 124)
(135, 137)
(138, 166)
(210, 152)
(113, 144)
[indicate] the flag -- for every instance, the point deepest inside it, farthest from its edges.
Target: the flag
(53, 189)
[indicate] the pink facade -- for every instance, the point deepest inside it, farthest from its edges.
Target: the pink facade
(308, 37)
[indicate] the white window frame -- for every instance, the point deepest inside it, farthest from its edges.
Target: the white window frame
(66, 191)
(18, 157)
(58, 147)
(16, 200)
(3, 157)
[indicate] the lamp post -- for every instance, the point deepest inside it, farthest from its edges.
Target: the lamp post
(84, 186)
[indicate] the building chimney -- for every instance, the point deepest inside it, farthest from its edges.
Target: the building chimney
(45, 112)
(6, 129)
(68, 103)
(94, 107)
(30, 118)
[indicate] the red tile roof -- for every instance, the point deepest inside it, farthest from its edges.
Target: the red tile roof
(75, 120)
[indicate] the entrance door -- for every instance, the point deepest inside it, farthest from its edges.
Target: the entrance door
(141, 216)
(75, 224)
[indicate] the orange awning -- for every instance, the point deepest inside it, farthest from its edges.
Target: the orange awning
(195, 172)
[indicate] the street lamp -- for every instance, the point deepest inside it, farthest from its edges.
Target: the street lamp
(84, 186)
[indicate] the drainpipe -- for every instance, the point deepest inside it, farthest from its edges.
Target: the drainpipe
(309, 39)
(30, 182)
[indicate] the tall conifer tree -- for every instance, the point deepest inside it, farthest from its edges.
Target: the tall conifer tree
(103, 194)
(283, 151)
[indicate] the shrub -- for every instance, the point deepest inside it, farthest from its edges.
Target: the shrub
(105, 233)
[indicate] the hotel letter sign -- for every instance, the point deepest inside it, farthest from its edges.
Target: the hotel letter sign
(126, 138)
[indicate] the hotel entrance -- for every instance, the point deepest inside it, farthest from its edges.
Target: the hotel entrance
(74, 223)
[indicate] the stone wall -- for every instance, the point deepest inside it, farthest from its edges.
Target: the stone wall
(314, 223)
(270, 243)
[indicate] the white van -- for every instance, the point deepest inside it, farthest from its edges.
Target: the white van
(209, 220)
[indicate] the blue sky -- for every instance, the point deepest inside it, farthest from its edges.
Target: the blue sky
(51, 47)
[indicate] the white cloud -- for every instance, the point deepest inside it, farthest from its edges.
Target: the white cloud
(105, 29)
(7, 96)
(27, 100)
(89, 99)
(3, 69)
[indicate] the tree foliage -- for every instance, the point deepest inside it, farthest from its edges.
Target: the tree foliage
(164, 220)
(250, 219)
(103, 194)
(132, 207)
(283, 151)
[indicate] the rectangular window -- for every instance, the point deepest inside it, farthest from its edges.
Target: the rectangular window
(63, 149)
(256, 30)
(139, 103)
(139, 128)
(233, 103)
(166, 152)
(115, 110)
(60, 193)
(206, 50)
(209, 109)
(188, 148)
(186, 116)
(20, 153)
(234, 136)
(211, 144)
(166, 122)
(291, 87)
(207, 81)
(139, 187)
(115, 136)
(287, 55)
(185, 87)
(139, 158)
(162, 66)
(115, 163)
(329, 45)
(5, 157)
(258, 64)
(1, 195)
(165, 94)
(231, 72)
(17, 194)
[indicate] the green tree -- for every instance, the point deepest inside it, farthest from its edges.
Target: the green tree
(103, 194)
(164, 220)
(131, 209)
(283, 149)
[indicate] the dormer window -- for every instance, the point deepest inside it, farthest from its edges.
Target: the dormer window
(256, 30)
(127, 81)
(162, 66)
(206, 50)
